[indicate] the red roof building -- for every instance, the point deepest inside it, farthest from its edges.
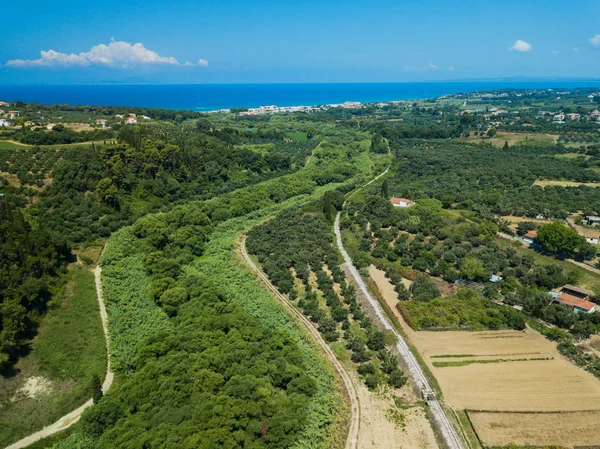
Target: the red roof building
(578, 304)
(401, 202)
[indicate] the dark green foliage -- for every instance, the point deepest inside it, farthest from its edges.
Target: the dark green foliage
(379, 144)
(30, 262)
(96, 388)
(493, 181)
(559, 239)
(423, 289)
(307, 248)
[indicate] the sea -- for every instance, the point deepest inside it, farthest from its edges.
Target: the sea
(208, 97)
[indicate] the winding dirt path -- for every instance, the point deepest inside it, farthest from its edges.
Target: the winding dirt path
(72, 417)
(352, 439)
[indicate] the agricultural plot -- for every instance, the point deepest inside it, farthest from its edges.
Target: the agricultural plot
(546, 182)
(567, 429)
(515, 385)
(506, 371)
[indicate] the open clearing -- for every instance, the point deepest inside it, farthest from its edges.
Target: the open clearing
(384, 425)
(523, 139)
(537, 389)
(546, 182)
(53, 378)
(568, 429)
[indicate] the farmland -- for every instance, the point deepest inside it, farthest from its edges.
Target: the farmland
(545, 183)
(512, 383)
(565, 429)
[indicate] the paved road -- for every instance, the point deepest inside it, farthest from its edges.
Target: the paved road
(415, 371)
(352, 439)
(72, 417)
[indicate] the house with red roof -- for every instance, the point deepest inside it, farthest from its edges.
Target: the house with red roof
(401, 202)
(578, 304)
(530, 236)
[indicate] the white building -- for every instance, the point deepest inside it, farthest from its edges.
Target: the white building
(401, 202)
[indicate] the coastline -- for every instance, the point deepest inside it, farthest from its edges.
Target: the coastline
(210, 97)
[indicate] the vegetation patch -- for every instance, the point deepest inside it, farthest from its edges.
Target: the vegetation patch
(54, 378)
(485, 361)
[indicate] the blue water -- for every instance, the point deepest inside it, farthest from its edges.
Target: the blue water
(204, 97)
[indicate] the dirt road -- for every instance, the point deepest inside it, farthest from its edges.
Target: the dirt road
(352, 439)
(446, 428)
(72, 417)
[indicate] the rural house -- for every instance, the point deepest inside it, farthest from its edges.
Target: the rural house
(578, 304)
(576, 291)
(592, 237)
(530, 236)
(592, 220)
(401, 202)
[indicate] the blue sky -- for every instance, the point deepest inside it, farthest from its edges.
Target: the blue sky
(239, 41)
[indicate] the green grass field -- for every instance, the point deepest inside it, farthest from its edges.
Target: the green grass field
(298, 136)
(68, 349)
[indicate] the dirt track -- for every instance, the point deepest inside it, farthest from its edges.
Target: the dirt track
(73, 416)
(352, 440)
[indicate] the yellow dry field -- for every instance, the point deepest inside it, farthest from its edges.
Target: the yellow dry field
(568, 429)
(383, 425)
(78, 126)
(546, 182)
(531, 385)
(551, 385)
(515, 219)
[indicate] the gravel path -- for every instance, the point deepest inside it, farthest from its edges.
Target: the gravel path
(446, 428)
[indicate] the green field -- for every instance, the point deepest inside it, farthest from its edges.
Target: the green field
(67, 351)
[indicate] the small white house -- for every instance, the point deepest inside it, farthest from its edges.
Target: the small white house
(131, 121)
(401, 202)
(101, 123)
(530, 236)
(592, 237)
(4, 123)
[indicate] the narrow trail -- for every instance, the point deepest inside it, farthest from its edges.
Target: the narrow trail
(352, 439)
(72, 417)
(446, 428)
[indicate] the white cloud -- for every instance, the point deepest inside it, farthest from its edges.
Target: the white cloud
(116, 53)
(520, 46)
(202, 62)
(595, 41)
(556, 52)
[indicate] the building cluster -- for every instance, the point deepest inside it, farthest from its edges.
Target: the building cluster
(306, 109)
(6, 116)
